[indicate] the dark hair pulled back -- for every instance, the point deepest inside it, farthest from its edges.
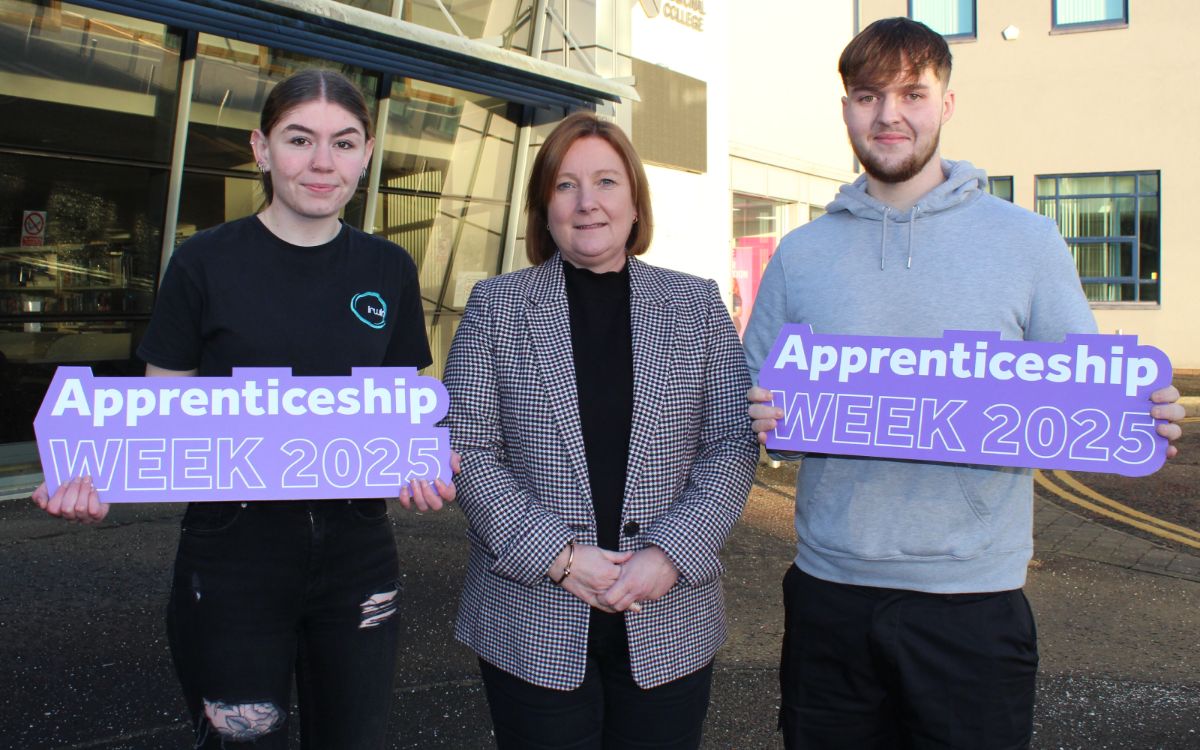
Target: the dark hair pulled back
(311, 85)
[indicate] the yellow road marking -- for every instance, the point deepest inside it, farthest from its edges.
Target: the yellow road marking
(1088, 492)
(1045, 483)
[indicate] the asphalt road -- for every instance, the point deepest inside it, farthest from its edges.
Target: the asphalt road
(1172, 493)
(84, 662)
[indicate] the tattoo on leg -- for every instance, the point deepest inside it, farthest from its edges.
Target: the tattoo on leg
(377, 609)
(242, 721)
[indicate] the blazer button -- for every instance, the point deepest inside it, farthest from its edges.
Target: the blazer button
(632, 528)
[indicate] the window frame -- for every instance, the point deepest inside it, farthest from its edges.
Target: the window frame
(1107, 23)
(1005, 179)
(962, 36)
(1134, 277)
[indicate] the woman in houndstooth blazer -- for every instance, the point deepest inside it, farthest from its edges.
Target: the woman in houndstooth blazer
(598, 404)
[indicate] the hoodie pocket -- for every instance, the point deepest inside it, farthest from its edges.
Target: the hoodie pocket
(876, 509)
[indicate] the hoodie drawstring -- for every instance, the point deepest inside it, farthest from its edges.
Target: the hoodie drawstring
(912, 225)
(883, 239)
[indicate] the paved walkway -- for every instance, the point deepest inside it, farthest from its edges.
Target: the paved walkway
(1058, 530)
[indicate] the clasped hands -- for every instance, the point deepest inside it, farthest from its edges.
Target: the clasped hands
(615, 581)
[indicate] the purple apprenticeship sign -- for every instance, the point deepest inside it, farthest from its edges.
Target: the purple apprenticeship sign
(261, 434)
(970, 397)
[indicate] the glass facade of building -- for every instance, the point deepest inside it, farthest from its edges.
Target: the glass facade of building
(758, 225)
(104, 161)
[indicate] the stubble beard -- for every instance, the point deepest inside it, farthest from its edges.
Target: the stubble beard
(896, 173)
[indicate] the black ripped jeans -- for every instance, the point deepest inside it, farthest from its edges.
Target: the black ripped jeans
(266, 590)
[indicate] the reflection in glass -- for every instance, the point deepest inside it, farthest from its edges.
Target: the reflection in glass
(443, 191)
(375, 6)
(508, 21)
(758, 226)
(62, 65)
(232, 81)
(98, 250)
(82, 296)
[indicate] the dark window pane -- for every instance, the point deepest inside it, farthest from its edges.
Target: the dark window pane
(1087, 217)
(64, 65)
(1148, 242)
(101, 245)
(1001, 187)
(1113, 235)
(1126, 216)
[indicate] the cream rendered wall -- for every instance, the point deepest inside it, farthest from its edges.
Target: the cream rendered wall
(691, 211)
(1095, 101)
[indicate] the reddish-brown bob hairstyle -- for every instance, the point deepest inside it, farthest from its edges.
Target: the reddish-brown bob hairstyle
(539, 245)
(892, 47)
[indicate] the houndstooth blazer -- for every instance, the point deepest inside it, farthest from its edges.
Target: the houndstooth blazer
(514, 417)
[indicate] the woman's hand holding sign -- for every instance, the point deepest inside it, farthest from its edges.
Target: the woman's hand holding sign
(1167, 407)
(75, 500)
(423, 496)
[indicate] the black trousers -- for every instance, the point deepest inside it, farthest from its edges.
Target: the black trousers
(607, 712)
(276, 589)
(873, 669)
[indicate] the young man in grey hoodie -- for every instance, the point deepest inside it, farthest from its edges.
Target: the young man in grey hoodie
(905, 621)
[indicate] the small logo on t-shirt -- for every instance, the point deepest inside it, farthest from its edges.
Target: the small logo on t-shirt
(370, 308)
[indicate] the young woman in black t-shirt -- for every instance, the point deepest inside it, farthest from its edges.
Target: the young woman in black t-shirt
(266, 591)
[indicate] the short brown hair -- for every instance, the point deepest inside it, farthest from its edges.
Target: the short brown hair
(888, 48)
(539, 245)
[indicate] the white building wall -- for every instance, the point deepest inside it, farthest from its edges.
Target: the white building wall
(691, 211)
(785, 97)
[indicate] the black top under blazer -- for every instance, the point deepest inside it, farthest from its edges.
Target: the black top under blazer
(514, 418)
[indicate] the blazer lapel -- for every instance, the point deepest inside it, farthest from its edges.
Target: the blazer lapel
(653, 331)
(550, 324)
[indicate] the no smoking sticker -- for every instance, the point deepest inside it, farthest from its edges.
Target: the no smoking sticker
(33, 228)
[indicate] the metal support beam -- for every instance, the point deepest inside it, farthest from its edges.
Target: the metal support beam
(183, 113)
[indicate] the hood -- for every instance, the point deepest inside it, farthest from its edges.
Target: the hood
(963, 182)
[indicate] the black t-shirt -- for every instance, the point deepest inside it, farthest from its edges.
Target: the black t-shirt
(238, 296)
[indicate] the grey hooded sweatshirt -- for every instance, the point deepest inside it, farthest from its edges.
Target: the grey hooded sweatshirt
(960, 259)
